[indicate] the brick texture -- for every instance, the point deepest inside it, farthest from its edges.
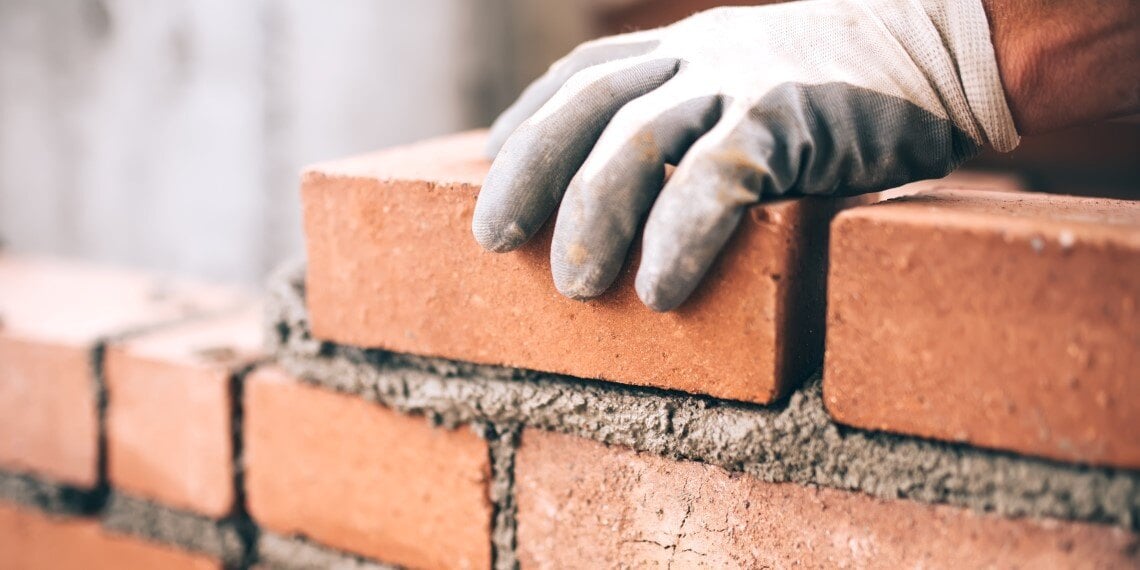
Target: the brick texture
(169, 428)
(582, 504)
(30, 540)
(1001, 320)
(392, 264)
(52, 313)
(364, 479)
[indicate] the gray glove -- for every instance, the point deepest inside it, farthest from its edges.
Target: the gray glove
(825, 97)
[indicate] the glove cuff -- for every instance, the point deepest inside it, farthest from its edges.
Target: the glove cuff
(965, 32)
(950, 41)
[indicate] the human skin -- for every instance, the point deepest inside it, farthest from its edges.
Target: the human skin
(1065, 63)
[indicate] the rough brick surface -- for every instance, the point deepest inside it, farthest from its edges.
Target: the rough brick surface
(1002, 320)
(364, 479)
(52, 314)
(30, 540)
(392, 264)
(169, 432)
(583, 504)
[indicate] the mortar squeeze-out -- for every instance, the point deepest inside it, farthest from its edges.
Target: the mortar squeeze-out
(795, 442)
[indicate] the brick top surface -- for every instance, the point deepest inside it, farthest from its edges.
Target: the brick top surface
(958, 207)
(223, 341)
(455, 159)
(72, 302)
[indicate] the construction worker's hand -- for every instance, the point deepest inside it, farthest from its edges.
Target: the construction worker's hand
(825, 97)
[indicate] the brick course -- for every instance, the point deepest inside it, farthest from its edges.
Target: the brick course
(169, 428)
(1000, 320)
(1004, 320)
(360, 478)
(583, 504)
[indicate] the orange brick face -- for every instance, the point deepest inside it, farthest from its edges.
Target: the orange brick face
(361, 478)
(48, 422)
(32, 541)
(169, 428)
(587, 505)
(389, 244)
(1005, 321)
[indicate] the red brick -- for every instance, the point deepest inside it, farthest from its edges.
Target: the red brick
(48, 421)
(52, 313)
(1002, 320)
(30, 540)
(588, 505)
(364, 479)
(169, 428)
(393, 264)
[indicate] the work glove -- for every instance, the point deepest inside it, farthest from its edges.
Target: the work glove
(821, 97)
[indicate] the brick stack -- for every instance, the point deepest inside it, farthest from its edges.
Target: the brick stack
(425, 404)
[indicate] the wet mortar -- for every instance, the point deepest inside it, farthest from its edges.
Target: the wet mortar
(794, 442)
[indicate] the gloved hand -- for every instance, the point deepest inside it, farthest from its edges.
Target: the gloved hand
(826, 97)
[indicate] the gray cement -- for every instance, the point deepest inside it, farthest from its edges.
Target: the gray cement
(25, 490)
(290, 553)
(503, 442)
(189, 531)
(795, 441)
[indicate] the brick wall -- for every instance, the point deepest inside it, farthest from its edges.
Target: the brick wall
(394, 404)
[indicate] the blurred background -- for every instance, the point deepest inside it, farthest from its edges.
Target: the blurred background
(169, 135)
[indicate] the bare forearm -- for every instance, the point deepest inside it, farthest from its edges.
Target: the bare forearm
(1067, 62)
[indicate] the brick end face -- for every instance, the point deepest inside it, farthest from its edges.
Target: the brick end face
(48, 423)
(168, 431)
(600, 506)
(169, 414)
(30, 540)
(951, 317)
(360, 478)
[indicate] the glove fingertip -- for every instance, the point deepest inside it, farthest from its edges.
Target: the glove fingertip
(499, 238)
(580, 283)
(654, 295)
